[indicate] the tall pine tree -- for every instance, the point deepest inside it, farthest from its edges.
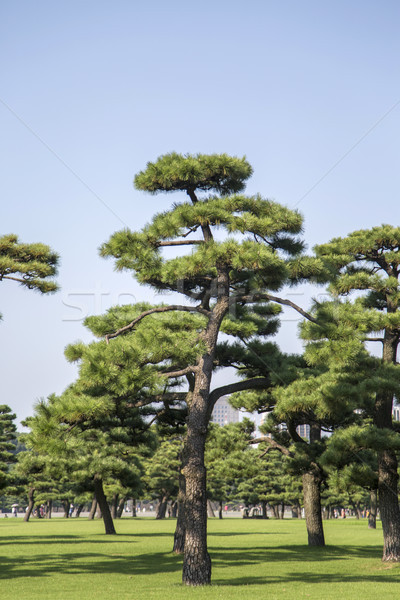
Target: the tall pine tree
(240, 250)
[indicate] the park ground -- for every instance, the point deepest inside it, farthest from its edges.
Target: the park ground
(72, 559)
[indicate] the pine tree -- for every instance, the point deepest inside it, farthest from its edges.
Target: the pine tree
(367, 262)
(31, 265)
(218, 274)
(8, 440)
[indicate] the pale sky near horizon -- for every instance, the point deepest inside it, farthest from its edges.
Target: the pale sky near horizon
(90, 91)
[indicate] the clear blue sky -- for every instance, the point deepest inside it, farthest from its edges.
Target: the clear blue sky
(90, 91)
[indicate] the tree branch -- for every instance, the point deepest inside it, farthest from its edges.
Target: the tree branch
(185, 371)
(377, 339)
(273, 445)
(160, 309)
(180, 243)
(259, 296)
(239, 386)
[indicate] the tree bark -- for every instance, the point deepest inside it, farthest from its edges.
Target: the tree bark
(162, 507)
(66, 505)
(105, 509)
(372, 509)
(387, 461)
(93, 509)
(264, 509)
(174, 509)
(79, 510)
(210, 510)
(197, 562)
(114, 506)
(49, 509)
(180, 530)
(220, 510)
(312, 508)
(134, 507)
(31, 504)
(120, 507)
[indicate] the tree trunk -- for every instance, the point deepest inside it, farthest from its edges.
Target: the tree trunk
(275, 511)
(220, 510)
(49, 509)
(79, 510)
(66, 505)
(312, 508)
(93, 509)
(105, 509)
(387, 461)
(174, 509)
(210, 510)
(197, 562)
(282, 510)
(372, 509)
(264, 509)
(180, 530)
(31, 504)
(162, 507)
(120, 508)
(114, 506)
(389, 505)
(134, 507)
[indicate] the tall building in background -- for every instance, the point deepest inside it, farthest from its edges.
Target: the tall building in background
(223, 412)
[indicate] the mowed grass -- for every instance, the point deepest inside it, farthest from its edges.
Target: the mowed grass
(73, 559)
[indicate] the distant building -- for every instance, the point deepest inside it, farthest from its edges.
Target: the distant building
(223, 412)
(396, 413)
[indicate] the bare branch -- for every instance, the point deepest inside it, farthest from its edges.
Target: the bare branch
(160, 309)
(377, 339)
(259, 296)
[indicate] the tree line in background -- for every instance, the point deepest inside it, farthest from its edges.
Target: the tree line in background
(136, 420)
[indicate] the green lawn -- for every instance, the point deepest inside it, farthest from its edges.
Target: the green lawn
(72, 559)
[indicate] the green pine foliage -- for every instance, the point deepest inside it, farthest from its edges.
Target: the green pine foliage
(31, 265)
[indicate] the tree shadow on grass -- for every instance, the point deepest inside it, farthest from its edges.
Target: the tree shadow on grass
(89, 563)
(125, 562)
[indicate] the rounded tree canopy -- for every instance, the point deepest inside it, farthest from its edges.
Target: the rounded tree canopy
(171, 172)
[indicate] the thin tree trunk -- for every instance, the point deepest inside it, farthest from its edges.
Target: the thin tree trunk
(283, 510)
(275, 511)
(264, 509)
(220, 510)
(105, 509)
(79, 510)
(93, 509)
(210, 510)
(134, 507)
(174, 509)
(31, 504)
(49, 509)
(180, 529)
(114, 506)
(120, 508)
(66, 505)
(372, 509)
(312, 509)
